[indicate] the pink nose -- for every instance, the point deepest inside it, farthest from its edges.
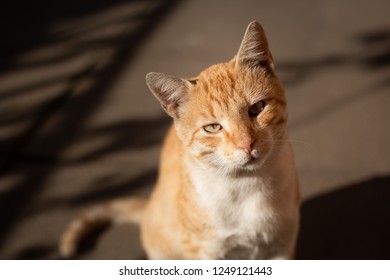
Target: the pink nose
(246, 145)
(247, 150)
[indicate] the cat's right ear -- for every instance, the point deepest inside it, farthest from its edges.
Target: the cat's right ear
(254, 51)
(169, 90)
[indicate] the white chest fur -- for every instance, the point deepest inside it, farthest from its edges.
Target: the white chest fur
(249, 214)
(240, 213)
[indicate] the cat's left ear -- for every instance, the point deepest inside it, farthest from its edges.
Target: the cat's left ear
(254, 51)
(169, 90)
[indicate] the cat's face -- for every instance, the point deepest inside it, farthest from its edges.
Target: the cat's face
(233, 115)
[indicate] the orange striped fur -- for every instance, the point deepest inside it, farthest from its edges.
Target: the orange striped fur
(227, 186)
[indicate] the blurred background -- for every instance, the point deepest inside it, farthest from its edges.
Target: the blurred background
(78, 125)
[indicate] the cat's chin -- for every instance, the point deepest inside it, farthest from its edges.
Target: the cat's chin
(245, 169)
(252, 162)
(253, 165)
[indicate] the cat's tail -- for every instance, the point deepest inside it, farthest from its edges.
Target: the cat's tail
(128, 210)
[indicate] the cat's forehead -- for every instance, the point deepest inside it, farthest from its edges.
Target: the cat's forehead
(217, 78)
(226, 83)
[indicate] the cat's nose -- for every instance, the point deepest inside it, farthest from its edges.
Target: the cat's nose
(248, 149)
(246, 145)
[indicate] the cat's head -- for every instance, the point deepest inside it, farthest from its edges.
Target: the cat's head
(233, 115)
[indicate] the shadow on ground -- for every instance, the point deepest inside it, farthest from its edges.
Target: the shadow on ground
(58, 62)
(373, 56)
(350, 223)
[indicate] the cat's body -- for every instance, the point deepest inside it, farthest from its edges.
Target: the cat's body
(227, 186)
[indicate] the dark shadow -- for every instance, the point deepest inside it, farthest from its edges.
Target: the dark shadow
(110, 191)
(119, 242)
(102, 190)
(125, 44)
(374, 54)
(136, 134)
(89, 243)
(25, 25)
(34, 253)
(350, 223)
(338, 104)
(127, 135)
(35, 155)
(379, 43)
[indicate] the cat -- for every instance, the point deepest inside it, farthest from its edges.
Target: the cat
(227, 185)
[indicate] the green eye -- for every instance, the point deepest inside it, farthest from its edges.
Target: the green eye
(212, 128)
(256, 108)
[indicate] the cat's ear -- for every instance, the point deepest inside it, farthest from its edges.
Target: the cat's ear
(169, 90)
(254, 51)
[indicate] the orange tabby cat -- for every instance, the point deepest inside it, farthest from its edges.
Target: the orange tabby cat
(227, 186)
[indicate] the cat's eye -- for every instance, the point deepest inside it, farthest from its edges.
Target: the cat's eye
(256, 108)
(212, 128)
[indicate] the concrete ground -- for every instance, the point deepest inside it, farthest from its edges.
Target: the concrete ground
(78, 125)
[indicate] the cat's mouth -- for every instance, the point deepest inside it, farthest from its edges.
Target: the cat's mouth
(251, 160)
(252, 157)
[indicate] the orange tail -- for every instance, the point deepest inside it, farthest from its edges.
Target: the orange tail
(129, 210)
